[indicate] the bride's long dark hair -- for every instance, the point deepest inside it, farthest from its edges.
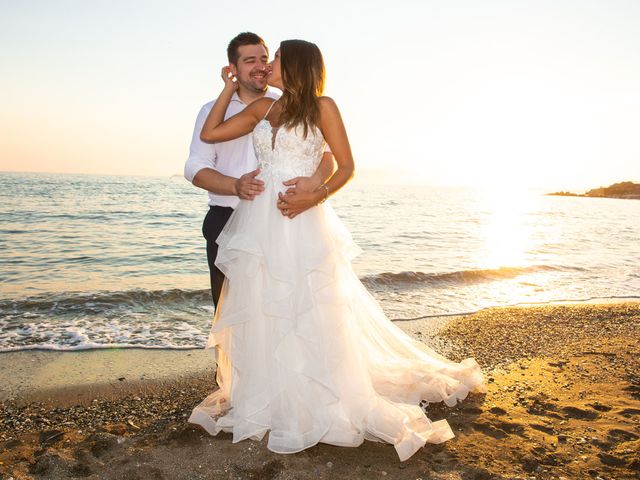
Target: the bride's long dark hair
(303, 76)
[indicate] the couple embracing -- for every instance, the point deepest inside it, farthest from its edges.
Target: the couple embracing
(303, 351)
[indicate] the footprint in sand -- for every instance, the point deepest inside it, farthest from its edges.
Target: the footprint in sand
(490, 430)
(634, 390)
(543, 428)
(579, 413)
(499, 430)
(498, 411)
(627, 412)
(620, 436)
(599, 407)
(611, 461)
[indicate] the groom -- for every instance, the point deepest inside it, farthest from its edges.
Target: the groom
(227, 170)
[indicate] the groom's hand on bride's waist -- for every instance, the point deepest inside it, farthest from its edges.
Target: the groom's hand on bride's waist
(248, 186)
(303, 184)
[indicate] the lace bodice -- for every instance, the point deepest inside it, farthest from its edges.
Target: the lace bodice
(289, 154)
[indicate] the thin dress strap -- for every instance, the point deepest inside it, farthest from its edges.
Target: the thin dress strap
(269, 109)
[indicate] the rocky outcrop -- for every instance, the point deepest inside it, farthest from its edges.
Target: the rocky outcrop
(617, 190)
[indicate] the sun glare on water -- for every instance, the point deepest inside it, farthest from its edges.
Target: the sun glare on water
(507, 233)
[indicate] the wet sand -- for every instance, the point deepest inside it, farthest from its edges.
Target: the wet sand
(68, 378)
(563, 401)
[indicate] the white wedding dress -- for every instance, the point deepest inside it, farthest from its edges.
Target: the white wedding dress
(303, 351)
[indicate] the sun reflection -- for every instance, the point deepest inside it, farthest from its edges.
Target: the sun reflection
(507, 231)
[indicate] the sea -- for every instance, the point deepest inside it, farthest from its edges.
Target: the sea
(89, 262)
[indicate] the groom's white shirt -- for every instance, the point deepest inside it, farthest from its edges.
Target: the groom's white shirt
(233, 158)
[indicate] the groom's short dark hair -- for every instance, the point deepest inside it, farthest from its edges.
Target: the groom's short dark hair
(244, 38)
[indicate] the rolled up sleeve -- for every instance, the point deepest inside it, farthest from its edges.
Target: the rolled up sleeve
(201, 154)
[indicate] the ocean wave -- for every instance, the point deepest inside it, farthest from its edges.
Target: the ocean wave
(97, 346)
(409, 279)
(165, 328)
(107, 323)
(101, 302)
(104, 301)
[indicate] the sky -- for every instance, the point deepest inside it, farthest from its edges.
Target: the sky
(541, 94)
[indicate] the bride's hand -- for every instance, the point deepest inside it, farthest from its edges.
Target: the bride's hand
(229, 79)
(293, 202)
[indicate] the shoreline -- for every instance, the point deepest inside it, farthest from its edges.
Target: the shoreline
(436, 320)
(563, 401)
(63, 378)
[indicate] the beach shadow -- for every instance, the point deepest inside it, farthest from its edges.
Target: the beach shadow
(267, 471)
(463, 414)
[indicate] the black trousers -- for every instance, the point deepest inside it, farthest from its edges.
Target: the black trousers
(214, 222)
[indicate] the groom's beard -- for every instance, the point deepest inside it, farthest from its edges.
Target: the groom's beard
(256, 85)
(253, 87)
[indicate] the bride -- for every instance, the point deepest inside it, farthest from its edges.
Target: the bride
(304, 352)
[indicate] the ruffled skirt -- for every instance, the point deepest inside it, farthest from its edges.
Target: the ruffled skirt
(305, 353)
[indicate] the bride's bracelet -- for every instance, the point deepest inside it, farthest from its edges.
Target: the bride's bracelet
(326, 194)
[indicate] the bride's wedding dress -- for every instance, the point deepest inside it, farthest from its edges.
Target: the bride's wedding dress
(304, 352)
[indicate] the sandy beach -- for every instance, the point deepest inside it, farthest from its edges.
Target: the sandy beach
(563, 401)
